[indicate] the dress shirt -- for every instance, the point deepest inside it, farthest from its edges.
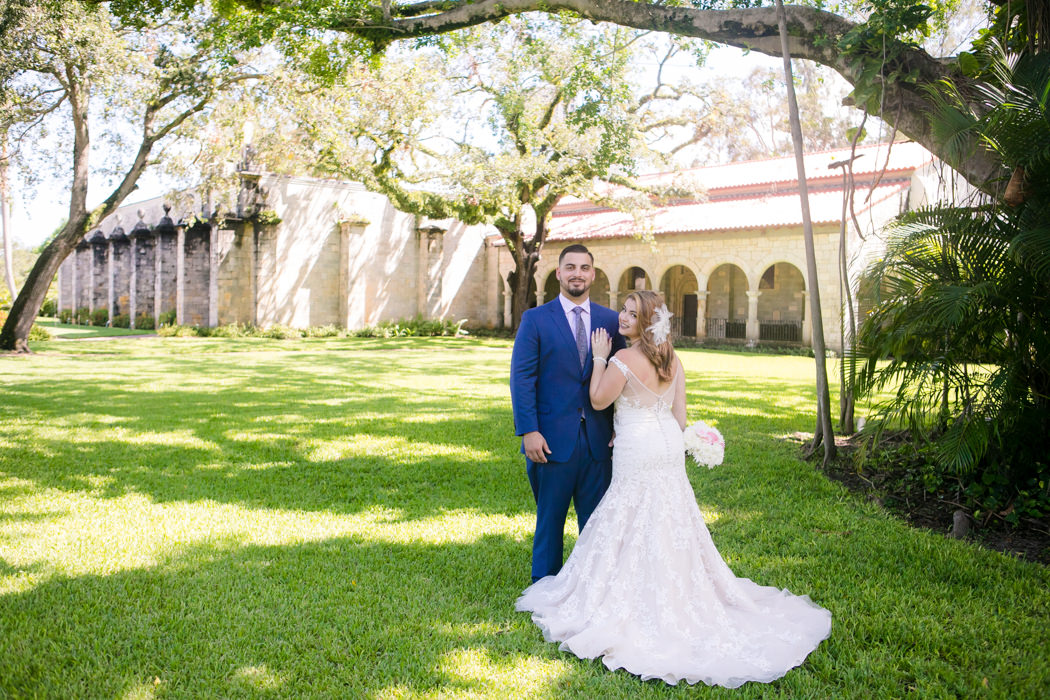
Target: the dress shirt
(567, 306)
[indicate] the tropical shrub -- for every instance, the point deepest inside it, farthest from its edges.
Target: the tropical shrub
(145, 322)
(960, 330)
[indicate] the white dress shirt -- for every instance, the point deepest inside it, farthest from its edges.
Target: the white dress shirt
(568, 305)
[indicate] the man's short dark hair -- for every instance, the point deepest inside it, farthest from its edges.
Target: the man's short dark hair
(575, 248)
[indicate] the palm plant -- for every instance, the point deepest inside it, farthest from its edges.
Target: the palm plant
(960, 331)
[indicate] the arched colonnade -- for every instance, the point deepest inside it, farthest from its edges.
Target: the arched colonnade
(725, 299)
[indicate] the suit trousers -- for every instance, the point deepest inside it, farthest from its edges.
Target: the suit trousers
(581, 480)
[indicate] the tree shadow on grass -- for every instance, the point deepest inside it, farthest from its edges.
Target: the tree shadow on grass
(328, 431)
(339, 618)
(352, 617)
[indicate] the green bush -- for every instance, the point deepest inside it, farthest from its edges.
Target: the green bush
(39, 333)
(177, 331)
(49, 308)
(83, 316)
(281, 332)
(144, 322)
(413, 327)
(100, 317)
(65, 316)
(122, 321)
(329, 331)
(233, 330)
(168, 318)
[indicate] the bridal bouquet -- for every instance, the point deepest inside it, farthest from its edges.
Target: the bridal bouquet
(704, 444)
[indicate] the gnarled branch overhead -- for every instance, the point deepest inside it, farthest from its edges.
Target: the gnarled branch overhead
(813, 34)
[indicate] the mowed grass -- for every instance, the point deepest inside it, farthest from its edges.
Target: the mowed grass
(351, 518)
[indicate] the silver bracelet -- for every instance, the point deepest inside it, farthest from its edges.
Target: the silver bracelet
(600, 359)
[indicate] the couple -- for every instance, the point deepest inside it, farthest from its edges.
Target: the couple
(644, 587)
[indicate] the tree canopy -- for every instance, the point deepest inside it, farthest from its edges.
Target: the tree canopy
(872, 44)
(67, 67)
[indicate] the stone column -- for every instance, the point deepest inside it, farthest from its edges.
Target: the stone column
(807, 324)
(213, 275)
(751, 329)
(180, 275)
(422, 267)
(508, 308)
(110, 287)
(701, 315)
(133, 283)
(250, 230)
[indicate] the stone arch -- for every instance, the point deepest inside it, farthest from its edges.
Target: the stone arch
(632, 279)
(781, 302)
(680, 289)
(727, 301)
(550, 286)
(600, 288)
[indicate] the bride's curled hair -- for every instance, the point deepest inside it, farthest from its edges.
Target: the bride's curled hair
(662, 354)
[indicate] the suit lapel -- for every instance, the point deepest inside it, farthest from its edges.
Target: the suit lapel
(561, 322)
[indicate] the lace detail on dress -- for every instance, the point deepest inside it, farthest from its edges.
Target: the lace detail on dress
(635, 394)
(645, 587)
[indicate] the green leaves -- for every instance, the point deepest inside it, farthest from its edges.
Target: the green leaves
(961, 323)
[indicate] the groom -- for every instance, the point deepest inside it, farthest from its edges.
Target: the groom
(565, 441)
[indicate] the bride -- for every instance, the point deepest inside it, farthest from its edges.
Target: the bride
(645, 587)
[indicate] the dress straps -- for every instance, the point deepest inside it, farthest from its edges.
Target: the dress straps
(622, 366)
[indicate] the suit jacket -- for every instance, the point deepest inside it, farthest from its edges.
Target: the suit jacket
(548, 388)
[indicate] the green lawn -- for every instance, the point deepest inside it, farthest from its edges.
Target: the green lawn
(350, 518)
(69, 331)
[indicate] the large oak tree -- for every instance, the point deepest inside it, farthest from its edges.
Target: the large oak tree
(74, 69)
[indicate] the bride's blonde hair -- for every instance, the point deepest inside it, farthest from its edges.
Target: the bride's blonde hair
(660, 355)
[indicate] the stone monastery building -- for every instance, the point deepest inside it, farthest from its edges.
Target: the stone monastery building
(731, 264)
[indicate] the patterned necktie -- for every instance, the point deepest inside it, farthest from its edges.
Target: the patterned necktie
(581, 335)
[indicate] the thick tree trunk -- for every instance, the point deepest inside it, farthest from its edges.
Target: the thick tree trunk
(27, 303)
(519, 302)
(26, 306)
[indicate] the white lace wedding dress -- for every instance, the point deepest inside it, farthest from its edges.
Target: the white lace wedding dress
(645, 587)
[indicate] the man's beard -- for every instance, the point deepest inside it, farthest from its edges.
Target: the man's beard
(574, 293)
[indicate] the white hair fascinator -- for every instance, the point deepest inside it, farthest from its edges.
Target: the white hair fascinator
(661, 328)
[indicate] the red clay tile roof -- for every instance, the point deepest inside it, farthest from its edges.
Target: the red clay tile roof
(755, 194)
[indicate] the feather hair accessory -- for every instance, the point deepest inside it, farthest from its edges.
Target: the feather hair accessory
(661, 328)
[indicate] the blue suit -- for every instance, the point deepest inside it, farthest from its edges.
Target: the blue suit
(550, 393)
